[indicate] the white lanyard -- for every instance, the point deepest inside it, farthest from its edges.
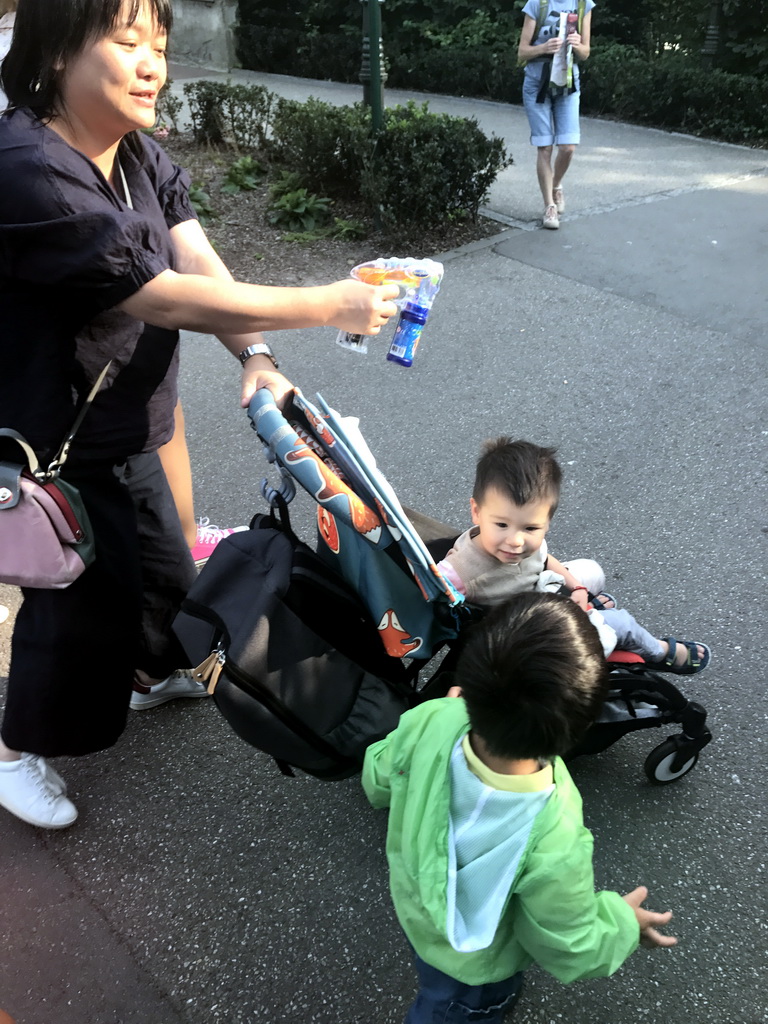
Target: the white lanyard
(124, 183)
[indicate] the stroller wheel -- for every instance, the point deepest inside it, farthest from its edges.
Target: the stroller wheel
(668, 762)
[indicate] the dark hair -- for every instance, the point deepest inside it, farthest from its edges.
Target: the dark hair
(520, 470)
(49, 33)
(533, 676)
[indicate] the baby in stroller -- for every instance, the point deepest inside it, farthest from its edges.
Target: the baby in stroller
(516, 493)
(388, 554)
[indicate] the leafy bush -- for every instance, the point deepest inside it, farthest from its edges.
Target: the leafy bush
(299, 211)
(243, 176)
(482, 71)
(465, 49)
(427, 167)
(223, 113)
(323, 144)
(315, 39)
(422, 168)
(341, 229)
(605, 77)
(674, 92)
(201, 203)
(168, 106)
(286, 181)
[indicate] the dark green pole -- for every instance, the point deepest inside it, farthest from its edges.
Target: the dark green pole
(711, 48)
(372, 73)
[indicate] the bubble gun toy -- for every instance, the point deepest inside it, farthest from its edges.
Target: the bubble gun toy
(420, 282)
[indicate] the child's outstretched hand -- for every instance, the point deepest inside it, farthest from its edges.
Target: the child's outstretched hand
(648, 918)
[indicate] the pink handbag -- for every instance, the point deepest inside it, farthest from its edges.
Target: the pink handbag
(45, 534)
(46, 539)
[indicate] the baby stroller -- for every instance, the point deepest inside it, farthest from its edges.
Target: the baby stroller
(386, 555)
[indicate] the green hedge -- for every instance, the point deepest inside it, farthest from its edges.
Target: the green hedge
(458, 48)
(422, 168)
(675, 94)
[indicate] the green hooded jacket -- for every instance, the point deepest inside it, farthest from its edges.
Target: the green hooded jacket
(553, 915)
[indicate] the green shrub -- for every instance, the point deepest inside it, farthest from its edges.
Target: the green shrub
(299, 211)
(673, 92)
(286, 181)
(315, 38)
(323, 144)
(243, 176)
(423, 167)
(223, 113)
(206, 100)
(168, 106)
(427, 167)
(341, 229)
(201, 203)
(463, 71)
(604, 76)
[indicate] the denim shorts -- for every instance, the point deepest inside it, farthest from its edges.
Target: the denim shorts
(556, 120)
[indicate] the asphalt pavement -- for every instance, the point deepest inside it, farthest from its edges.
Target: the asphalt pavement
(199, 886)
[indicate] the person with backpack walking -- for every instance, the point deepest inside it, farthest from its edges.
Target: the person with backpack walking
(551, 90)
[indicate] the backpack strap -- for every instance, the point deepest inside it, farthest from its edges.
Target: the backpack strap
(543, 10)
(542, 17)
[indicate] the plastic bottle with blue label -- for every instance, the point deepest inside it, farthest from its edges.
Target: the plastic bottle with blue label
(408, 334)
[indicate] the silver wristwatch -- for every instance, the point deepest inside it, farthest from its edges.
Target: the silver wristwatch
(257, 350)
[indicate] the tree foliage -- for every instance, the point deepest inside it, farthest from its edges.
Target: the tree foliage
(323, 38)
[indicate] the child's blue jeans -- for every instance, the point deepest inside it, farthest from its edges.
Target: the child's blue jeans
(443, 1000)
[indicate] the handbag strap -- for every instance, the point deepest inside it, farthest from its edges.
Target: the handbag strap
(61, 455)
(14, 435)
(46, 475)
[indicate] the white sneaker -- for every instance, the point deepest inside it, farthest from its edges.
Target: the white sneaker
(551, 220)
(55, 783)
(25, 792)
(178, 684)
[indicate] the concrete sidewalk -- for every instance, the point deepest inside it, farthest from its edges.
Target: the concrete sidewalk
(199, 886)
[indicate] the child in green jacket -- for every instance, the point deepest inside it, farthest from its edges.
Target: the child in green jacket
(490, 862)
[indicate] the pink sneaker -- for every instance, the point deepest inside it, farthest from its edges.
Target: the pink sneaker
(208, 537)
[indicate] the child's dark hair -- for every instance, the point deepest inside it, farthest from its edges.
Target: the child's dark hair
(521, 471)
(533, 676)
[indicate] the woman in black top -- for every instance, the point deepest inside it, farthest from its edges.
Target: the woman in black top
(102, 257)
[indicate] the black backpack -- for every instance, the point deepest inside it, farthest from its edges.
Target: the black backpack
(293, 659)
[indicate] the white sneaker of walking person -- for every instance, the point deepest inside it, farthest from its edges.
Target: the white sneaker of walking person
(34, 792)
(550, 219)
(178, 684)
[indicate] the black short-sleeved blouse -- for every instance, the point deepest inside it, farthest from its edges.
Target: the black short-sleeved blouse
(70, 251)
